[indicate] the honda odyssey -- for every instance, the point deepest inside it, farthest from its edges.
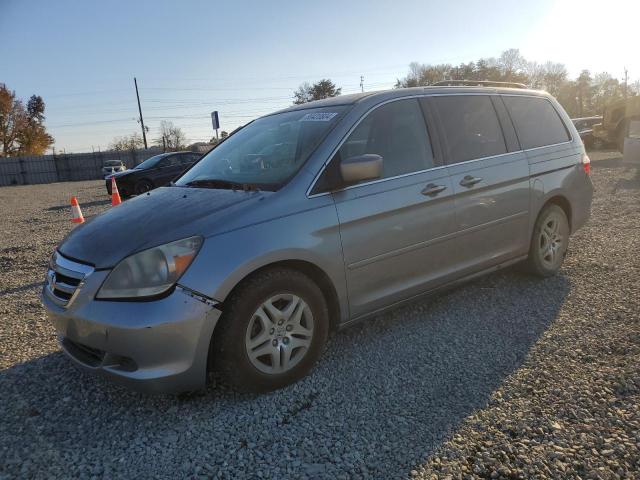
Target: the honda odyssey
(309, 219)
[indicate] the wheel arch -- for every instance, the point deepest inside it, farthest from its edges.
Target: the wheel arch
(311, 270)
(144, 179)
(562, 202)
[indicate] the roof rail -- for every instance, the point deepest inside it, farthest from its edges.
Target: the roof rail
(477, 83)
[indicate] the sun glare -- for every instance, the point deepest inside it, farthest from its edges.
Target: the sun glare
(588, 34)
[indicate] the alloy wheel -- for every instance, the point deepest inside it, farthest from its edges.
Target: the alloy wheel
(279, 334)
(551, 244)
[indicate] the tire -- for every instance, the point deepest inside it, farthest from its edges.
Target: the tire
(142, 186)
(549, 242)
(252, 347)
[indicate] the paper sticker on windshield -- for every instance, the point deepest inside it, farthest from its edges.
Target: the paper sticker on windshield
(318, 117)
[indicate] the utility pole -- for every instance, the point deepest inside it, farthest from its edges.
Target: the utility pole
(626, 79)
(144, 133)
(362, 83)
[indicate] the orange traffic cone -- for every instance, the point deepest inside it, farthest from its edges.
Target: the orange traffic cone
(115, 194)
(75, 211)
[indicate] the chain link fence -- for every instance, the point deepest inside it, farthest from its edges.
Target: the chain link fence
(64, 167)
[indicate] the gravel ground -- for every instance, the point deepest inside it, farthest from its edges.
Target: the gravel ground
(506, 377)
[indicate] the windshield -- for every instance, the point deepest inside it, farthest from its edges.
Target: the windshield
(265, 153)
(150, 162)
(112, 163)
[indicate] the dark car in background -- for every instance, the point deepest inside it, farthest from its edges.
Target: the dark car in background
(584, 126)
(154, 172)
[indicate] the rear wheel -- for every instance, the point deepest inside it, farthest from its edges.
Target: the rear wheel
(549, 242)
(272, 331)
(142, 186)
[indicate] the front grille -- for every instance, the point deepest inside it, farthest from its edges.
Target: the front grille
(65, 279)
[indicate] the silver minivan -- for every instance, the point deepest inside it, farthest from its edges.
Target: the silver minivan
(310, 219)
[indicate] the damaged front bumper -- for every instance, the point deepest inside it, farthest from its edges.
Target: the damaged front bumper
(151, 346)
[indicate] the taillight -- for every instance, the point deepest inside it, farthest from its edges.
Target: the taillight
(586, 164)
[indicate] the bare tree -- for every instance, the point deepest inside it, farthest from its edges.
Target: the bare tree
(127, 143)
(174, 137)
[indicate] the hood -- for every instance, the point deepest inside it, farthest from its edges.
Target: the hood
(161, 216)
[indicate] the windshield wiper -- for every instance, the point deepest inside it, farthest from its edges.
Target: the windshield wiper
(222, 184)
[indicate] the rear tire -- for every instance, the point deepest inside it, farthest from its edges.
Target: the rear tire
(142, 186)
(272, 331)
(549, 242)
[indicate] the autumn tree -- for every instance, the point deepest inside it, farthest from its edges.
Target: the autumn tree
(12, 120)
(22, 130)
(306, 92)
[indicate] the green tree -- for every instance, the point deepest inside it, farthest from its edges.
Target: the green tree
(306, 92)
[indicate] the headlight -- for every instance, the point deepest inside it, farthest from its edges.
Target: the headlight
(150, 272)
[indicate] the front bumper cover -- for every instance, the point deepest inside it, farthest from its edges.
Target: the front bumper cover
(156, 346)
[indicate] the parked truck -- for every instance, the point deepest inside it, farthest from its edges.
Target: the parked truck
(615, 120)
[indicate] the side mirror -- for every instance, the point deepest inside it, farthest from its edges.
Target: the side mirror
(362, 167)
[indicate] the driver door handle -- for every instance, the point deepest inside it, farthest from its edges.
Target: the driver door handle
(469, 181)
(432, 189)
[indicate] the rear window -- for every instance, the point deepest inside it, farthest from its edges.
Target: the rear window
(471, 127)
(537, 122)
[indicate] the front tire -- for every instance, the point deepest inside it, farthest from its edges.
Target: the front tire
(272, 331)
(549, 242)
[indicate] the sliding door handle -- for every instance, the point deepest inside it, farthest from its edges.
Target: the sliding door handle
(432, 189)
(469, 181)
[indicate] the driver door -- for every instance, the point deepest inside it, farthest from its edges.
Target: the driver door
(168, 169)
(393, 229)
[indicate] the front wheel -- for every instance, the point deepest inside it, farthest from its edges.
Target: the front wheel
(272, 331)
(549, 242)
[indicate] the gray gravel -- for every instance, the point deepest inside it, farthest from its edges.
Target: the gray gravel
(506, 377)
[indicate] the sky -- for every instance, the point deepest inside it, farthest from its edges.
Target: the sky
(245, 58)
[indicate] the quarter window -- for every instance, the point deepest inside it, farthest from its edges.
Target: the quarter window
(470, 127)
(397, 132)
(537, 122)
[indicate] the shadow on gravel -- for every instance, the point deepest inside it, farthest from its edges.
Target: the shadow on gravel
(385, 394)
(95, 203)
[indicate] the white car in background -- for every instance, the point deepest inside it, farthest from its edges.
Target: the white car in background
(110, 167)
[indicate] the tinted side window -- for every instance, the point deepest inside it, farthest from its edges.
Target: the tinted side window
(537, 122)
(188, 159)
(395, 131)
(470, 127)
